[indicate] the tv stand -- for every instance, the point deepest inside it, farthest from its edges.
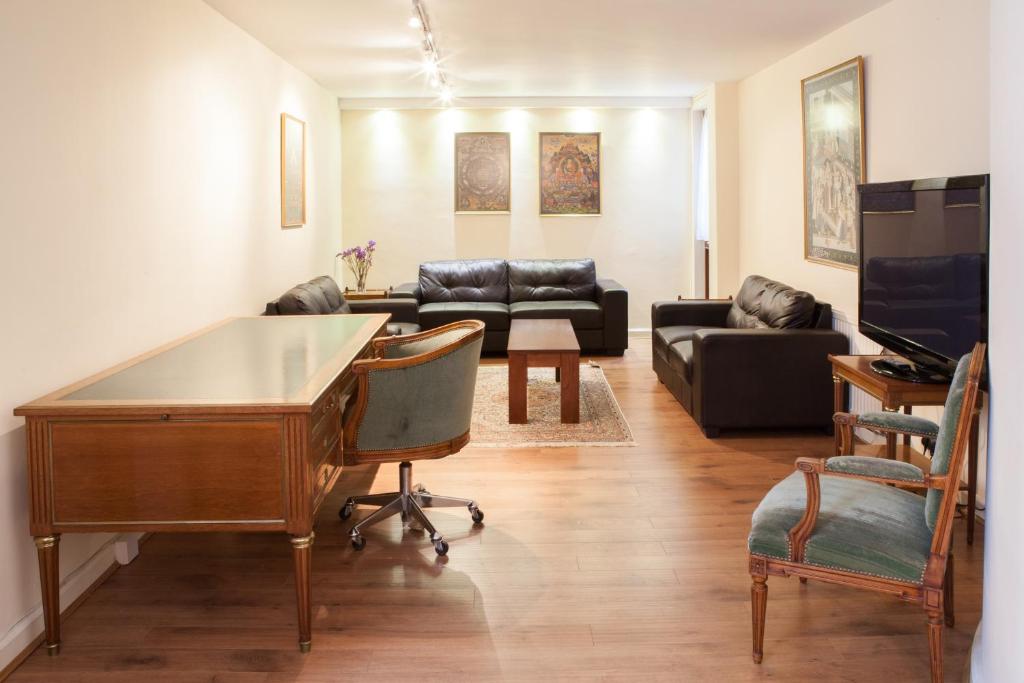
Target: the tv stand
(897, 368)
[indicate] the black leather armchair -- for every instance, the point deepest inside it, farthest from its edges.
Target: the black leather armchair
(321, 296)
(758, 362)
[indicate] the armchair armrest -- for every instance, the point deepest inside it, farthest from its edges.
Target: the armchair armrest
(884, 423)
(406, 290)
(858, 468)
(401, 310)
(614, 301)
(695, 312)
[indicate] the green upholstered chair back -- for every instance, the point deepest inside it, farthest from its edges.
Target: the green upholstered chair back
(943, 454)
(421, 393)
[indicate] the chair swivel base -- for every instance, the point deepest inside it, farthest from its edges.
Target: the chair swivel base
(409, 502)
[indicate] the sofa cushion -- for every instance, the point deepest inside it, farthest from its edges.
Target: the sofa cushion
(402, 328)
(552, 280)
(863, 527)
(764, 303)
(303, 299)
(665, 337)
(468, 280)
(584, 315)
(493, 314)
(335, 299)
(680, 359)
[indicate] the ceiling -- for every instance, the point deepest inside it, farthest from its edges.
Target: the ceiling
(539, 48)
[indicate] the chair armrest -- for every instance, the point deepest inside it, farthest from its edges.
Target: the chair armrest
(614, 301)
(406, 290)
(884, 423)
(696, 312)
(814, 468)
(864, 467)
(401, 310)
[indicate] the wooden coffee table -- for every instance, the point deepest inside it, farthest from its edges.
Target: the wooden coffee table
(543, 344)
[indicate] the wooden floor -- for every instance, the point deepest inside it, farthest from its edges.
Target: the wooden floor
(593, 564)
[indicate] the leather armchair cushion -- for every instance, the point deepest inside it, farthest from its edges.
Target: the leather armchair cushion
(863, 527)
(495, 316)
(764, 303)
(467, 280)
(304, 299)
(584, 315)
(665, 337)
(335, 299)
(680, 359)
(552, 280)
(402, 328)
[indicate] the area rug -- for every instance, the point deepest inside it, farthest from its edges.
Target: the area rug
(601, 420)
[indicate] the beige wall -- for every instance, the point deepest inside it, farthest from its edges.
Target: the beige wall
(996, 654)
(397, 189)
(926, 78)
(138, 202)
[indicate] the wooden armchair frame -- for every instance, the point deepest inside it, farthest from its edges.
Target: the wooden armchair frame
(935, 593)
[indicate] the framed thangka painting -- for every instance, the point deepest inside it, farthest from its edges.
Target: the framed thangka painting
(570, 174)
(293, 171)
(482, 173)
(833, 122)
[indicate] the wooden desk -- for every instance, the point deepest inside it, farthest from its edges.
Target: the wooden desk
(894, 395)
(234, 428)
(543, 344)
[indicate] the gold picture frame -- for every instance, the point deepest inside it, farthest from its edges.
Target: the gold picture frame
(483, 173)
(293, 171)
(834, 162)
(569, 174)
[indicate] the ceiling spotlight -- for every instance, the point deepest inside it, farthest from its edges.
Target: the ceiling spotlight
(415, 23)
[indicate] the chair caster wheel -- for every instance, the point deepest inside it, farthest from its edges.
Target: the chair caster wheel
(358, 542)
(441, 547)
(477, 513)
(346, 511)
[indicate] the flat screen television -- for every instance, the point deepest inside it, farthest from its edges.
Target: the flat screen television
(924, 272)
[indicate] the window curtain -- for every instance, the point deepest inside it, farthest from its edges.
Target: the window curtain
(702, 207)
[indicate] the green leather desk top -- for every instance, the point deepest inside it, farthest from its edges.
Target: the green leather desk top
(277, 360)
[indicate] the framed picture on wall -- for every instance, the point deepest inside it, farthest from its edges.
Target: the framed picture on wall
(483, 169)
(570, 174)
(834, 151)
(293, 171)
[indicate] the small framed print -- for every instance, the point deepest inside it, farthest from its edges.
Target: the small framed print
(293, 171)
(483, 169)
(570, 174)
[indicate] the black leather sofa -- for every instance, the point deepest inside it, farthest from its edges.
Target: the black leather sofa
(498, 291)
(760, 361)
(321, 295)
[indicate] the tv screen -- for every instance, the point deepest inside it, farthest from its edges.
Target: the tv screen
(924, 267)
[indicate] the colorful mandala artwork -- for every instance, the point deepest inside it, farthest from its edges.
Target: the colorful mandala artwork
(570, 174)
(482, 178)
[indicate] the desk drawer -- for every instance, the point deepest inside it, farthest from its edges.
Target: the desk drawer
(327, 403)
(323, 478)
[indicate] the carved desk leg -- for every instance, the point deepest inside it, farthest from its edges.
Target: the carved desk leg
(302, 553)
(48, 547)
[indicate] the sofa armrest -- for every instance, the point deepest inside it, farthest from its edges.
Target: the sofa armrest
(693, 312)
(401, 310)
(614, 301)
(757, 377)
(406, 290)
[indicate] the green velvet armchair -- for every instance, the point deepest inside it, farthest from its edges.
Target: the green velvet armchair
(851, 520)
(414, 401)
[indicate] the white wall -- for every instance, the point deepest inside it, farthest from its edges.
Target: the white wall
(397, 189)
(997, 654)
(139, 200)
(927, 86)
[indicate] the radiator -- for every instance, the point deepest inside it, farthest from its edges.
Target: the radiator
(860, 402)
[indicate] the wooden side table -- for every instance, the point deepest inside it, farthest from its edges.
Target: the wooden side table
(894, 395)
(353, 295)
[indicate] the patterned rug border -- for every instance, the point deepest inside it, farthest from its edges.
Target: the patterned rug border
(628, 442)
